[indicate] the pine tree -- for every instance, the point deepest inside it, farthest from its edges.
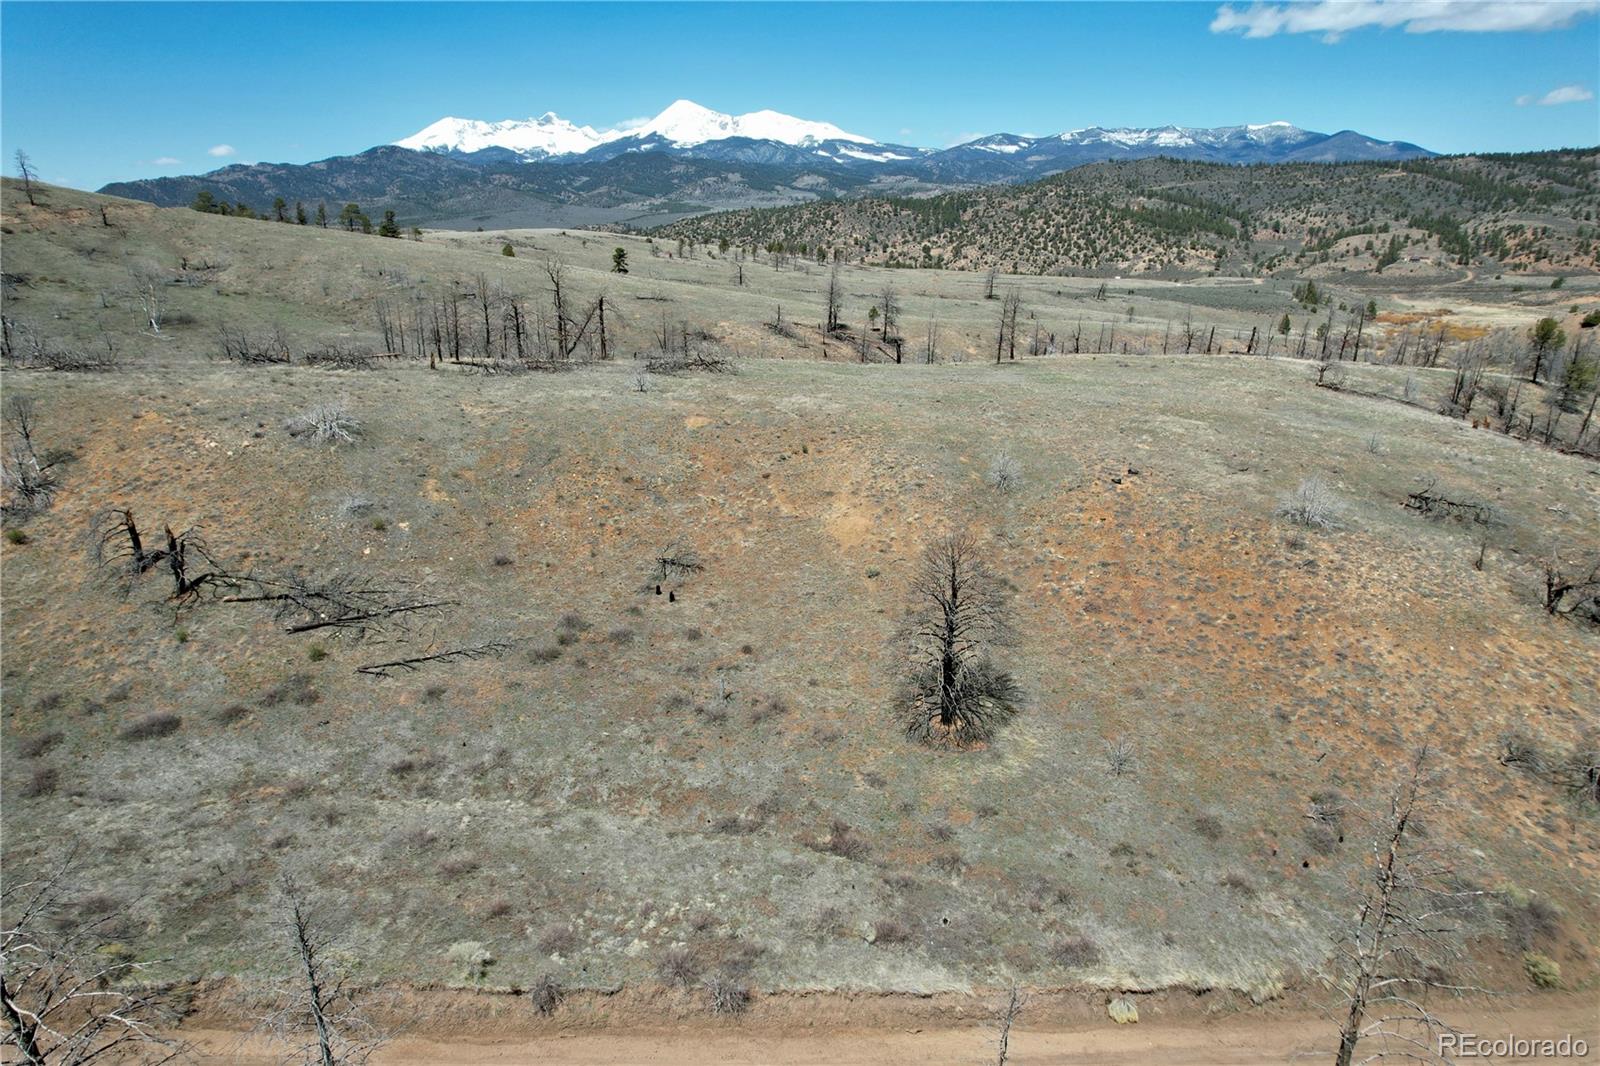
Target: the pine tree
(205, 202)
(299, 213)
(389, 228)
(322, 215)
(619, 261)
(508, 251)
(350, 216)
(280, 210)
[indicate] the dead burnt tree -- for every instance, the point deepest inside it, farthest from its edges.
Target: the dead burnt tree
(1572, 589)
(150, 286)
(1006, 336)
(1470, 367)
(1328, 376)
(391, 328)
(70, 992)
(26, 173)
(27, 479)
(953, 694)
(484, 297)
(671, 567)
(570, 330)
(318, 1015)
(558, 301)
(1405, 942)
(1005, 1020)
(120, 547)
(833, 300)
(28, 349)
(265, 349)
(514, 327)
(1189, 334)
(890, 302)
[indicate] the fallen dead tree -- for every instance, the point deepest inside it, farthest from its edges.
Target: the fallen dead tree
(25, 348)
(349, 605)
(492, 649)
(345, 603)
(703, 360)
(335, 356)
(255, 349)
(1428, 501)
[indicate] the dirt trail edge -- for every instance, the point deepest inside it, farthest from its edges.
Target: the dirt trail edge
(833, 1034)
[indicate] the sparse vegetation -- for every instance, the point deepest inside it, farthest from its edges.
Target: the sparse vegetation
(1005, 474)
(327, 422)
(1075, 952)
(1311, 505)
(1157, 694)
(152, 726)
(726, 994)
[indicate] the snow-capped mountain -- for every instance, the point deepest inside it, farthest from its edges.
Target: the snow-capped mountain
(533, 138)
(770, 138)
(685, 124)
(682, 125)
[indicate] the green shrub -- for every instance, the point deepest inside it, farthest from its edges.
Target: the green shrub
(1542, 970)
(16, 536)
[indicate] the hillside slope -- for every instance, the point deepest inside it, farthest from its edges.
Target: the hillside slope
(719, 772)
(1535, 212)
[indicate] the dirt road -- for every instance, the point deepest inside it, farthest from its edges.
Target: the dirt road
(1236, 1040)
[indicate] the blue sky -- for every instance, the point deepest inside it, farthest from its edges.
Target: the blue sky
(103, 92)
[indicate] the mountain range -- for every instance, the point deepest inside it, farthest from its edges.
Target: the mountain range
(689, 160)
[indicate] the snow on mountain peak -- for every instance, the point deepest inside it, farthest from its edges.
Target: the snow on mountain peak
(686, 123)
(683, 123)
(549, 134)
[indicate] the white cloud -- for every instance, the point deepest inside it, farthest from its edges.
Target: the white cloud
(905, 131)
(632, 123)
(1334, 18)
(1567, 94)
(165, 161)
(963, 138)
(220, 150)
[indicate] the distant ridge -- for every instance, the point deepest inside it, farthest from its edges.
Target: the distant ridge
(690, 159)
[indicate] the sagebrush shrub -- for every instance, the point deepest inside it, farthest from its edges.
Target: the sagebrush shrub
(1312, 505)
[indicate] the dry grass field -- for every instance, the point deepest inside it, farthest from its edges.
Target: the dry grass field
(639, 788)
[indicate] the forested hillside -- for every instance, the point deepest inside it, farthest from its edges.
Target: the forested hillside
(1533, 212)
